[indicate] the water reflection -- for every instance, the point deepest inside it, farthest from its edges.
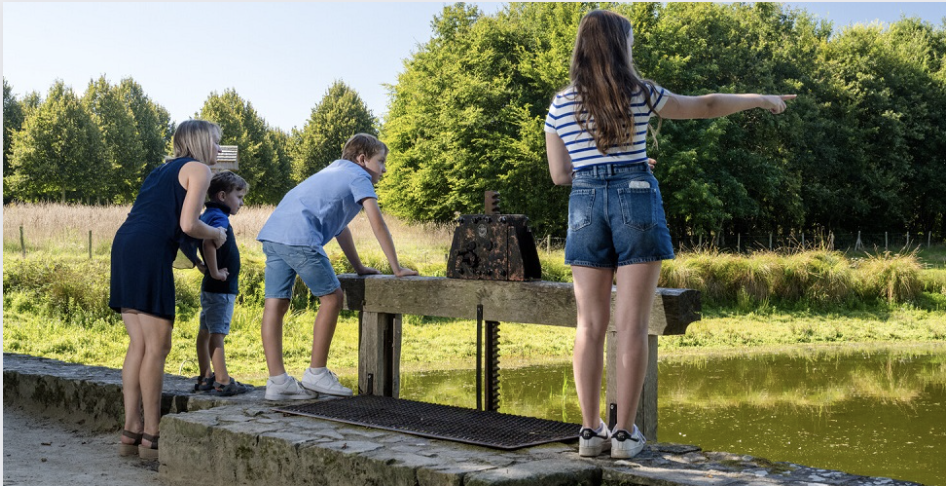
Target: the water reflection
(872, 411)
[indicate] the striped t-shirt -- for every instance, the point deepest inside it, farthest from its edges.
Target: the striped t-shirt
(581, 144)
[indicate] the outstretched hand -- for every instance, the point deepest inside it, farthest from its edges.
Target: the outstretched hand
(776, 103)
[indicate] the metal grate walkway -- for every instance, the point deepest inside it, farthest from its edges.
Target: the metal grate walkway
(490, 429)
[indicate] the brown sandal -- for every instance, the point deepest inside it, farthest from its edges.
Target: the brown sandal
(129, 449)
(149, 453)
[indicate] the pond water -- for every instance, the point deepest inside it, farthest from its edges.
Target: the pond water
(876, 411)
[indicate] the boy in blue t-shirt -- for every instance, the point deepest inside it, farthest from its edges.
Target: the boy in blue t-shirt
(220, 286)
(306, 219)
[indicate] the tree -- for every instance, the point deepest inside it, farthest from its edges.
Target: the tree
(152, 123)
(58, 151)
(12, 122)
(123, 150)
(466, 117)
(261, 165)
(340, 114)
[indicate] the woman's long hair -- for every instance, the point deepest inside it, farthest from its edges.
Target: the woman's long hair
(605, 79)
(196, 139)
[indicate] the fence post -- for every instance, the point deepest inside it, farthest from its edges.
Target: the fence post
(803, 242)
(738, 242)
(22, 241)
(885, 241)
(548, 244)
(770, 241)
(908, 240)
(90, 244)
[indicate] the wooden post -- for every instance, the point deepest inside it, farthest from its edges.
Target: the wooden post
(738, 242)
(885, 241)
(908, 240)
(90, 244)
(548, 244)
(379, 354)
(646, 418)
(770, 241)
(22, 241)
(803, 241)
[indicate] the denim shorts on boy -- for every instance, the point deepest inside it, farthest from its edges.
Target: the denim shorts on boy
(216, 312)
(616, 217)
(284, 262)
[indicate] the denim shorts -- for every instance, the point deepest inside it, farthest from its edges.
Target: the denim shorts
(216, 312)
(284, 262)
(616, 217)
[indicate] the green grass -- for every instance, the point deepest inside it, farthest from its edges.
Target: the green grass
(54, 305)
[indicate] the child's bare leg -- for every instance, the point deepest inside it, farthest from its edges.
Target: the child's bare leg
(593, 298)
(330, 306)
(219, 360)
(203, 353)
(637, 285)
(273, 312)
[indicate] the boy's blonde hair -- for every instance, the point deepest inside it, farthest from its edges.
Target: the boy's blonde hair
(363, 143)
(196, 139)
(227, 182)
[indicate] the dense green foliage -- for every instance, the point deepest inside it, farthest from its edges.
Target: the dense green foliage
(95, 148)
(100, 147)
(861, 148)
(264, 166)
(58, 151)
(340, 114)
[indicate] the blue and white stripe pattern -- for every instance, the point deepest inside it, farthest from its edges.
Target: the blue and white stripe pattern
(581, 144)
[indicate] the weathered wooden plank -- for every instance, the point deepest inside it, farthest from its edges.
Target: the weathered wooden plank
(379, 354)
(537, 302)
(646, 418)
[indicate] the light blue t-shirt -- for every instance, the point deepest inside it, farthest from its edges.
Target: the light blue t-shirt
(320, 207)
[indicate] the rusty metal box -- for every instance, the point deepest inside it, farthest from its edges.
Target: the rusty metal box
(493, 247)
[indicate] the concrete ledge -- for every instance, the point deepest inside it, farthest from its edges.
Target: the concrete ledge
(240, 440)
(91, 396)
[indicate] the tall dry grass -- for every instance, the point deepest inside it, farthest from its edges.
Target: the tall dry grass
(64, 228)
(814, 276)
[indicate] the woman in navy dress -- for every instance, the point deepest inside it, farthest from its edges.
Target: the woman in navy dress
(142, 282)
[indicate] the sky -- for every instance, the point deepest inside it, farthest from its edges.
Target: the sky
(281, 57)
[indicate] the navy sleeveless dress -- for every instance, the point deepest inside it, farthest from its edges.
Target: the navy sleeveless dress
(146, 244)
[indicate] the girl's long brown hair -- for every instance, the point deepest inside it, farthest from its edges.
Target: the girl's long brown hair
(605, 79)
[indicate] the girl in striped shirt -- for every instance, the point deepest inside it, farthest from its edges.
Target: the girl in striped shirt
(596, 142)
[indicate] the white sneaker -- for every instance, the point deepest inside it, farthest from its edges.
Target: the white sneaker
(593, 442)
(290, 390)
(325, 383)
(625, 445)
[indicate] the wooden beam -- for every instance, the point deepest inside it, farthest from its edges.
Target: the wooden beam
(646, 418)
(379, 354)
(536, 302)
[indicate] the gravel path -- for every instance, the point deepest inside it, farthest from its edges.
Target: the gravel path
(44, 451)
